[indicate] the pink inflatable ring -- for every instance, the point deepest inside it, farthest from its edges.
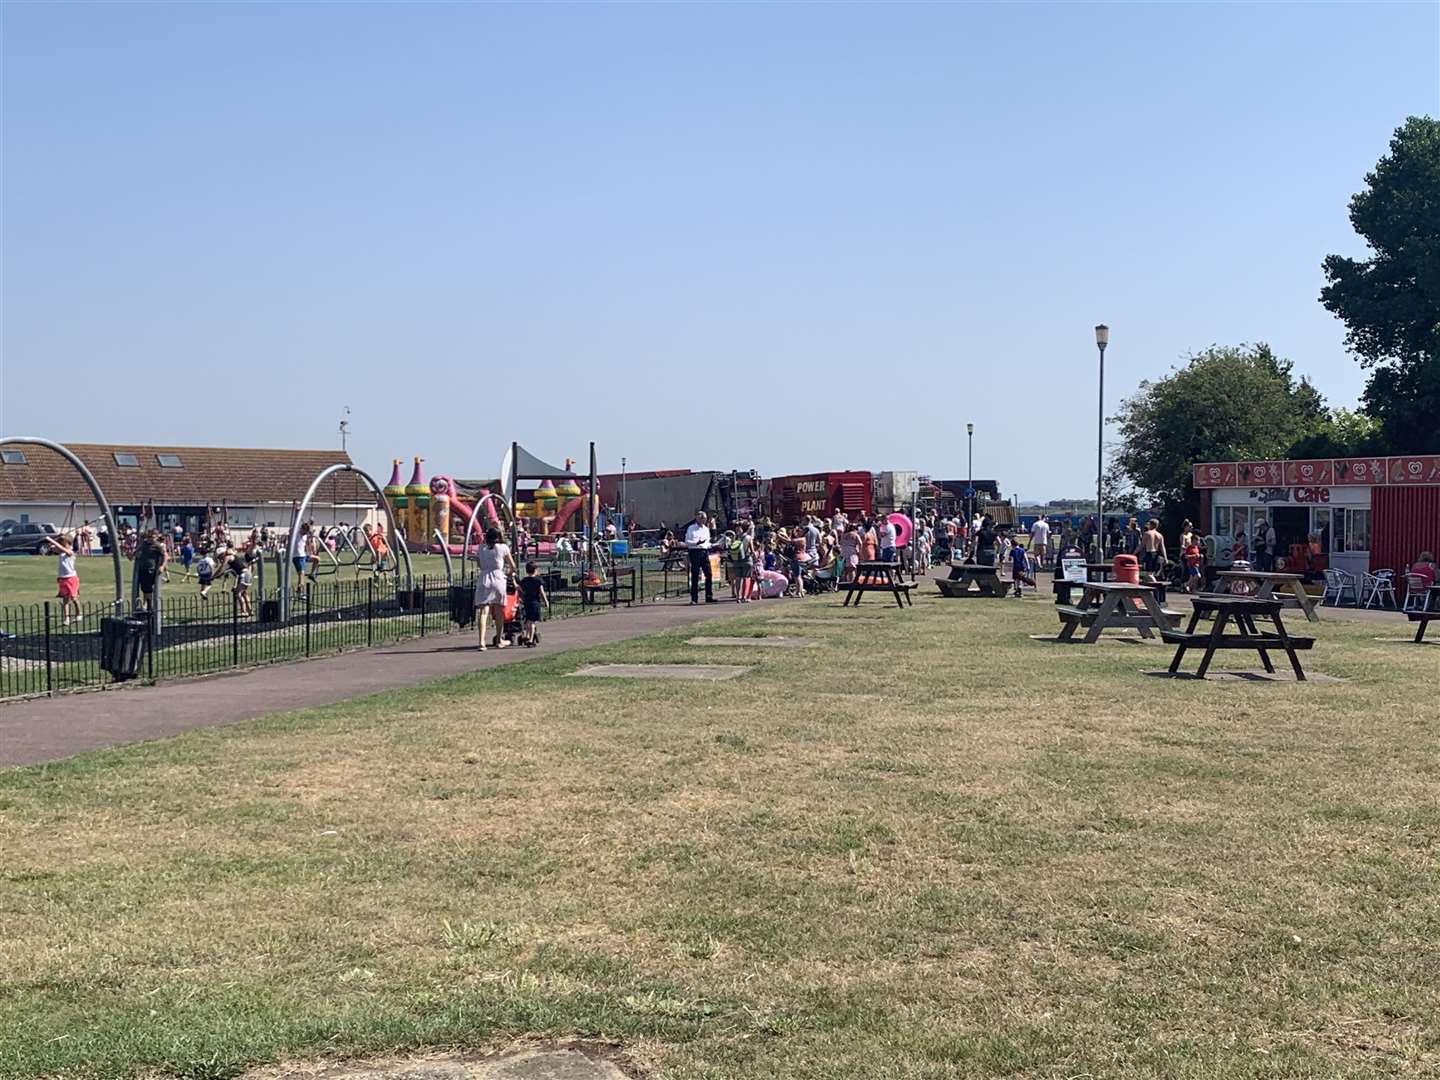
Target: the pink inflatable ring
(903, 529)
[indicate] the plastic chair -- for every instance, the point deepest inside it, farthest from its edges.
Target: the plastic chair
(1415, 593)
(1337, 584)
(1378, 586)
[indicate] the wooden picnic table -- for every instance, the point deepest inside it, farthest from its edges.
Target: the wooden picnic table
(1240, 612)
(1115, 605)
(1062, 589)
(1427, 614)
(876, 577)
(985, 578)
(1269, 582)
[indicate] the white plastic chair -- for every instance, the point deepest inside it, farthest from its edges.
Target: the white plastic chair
(1377, 587)
(1415, 593)
(1337, 584)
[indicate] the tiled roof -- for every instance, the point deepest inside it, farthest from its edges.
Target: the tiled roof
(207, 475)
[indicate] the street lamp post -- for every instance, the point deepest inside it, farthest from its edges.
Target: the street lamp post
(970, 477)
(624, 506)
(1102, 338)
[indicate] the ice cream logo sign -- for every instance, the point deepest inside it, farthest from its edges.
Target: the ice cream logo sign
(1260, 472)
(1417, 470)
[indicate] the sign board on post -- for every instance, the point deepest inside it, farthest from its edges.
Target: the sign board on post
(1073, 569)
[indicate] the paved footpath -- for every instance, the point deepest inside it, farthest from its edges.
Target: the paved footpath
(47, 729)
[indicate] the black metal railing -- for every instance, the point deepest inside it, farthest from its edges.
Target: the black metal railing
(42, 652)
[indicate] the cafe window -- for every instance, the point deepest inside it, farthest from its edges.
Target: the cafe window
(1320, 527)
(1357, 530)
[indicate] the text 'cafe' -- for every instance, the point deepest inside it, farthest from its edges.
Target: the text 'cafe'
(1363, 513)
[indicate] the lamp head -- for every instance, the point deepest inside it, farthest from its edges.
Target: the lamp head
(1102, 335)
(969, 429)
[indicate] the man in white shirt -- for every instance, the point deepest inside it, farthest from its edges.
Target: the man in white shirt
(1040, 541)
(887, 540)
(697, 543)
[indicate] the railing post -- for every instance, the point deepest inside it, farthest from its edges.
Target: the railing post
(49, 683)
(150, 643)
(424, 597)
(370, 612)
(307, 620)
(642, 579)
(235, 631)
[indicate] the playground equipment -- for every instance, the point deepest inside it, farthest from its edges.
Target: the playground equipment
(100, 500)
(303, 507)
(546, 500)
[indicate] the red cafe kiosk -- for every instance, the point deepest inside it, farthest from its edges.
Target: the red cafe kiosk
(1354, 514)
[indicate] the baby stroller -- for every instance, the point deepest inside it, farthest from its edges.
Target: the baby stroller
(822, 580)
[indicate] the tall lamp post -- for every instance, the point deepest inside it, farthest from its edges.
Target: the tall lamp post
(970, 477)
(1102, 338)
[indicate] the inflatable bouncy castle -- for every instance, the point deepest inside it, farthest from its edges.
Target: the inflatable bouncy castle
(547, 501)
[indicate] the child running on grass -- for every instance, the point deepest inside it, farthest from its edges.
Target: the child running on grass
(1020, 567)
(532, 597)
(1193, 559)
(205, 574)
(67, 579)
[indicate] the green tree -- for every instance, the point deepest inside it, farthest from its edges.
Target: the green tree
(1341, 433)
(1390, 304)
(1226, 403)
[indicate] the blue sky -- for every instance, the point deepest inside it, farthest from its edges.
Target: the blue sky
(787, 237)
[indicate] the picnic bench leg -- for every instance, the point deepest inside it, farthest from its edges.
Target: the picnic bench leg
(896, 591)
(1289, 648)
(1247, 623)
(1221, 618)
(1180, 652)
(1420, 630)
(1307, 602)
(1102, 619)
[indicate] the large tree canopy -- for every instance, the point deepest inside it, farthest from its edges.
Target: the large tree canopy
(1390, 303)
(1227, 403)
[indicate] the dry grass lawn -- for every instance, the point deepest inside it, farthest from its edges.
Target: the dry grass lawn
(929, 848)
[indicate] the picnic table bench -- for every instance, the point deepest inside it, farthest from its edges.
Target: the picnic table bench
(1430, 611)
(1270, 582)
(876, 577)
(986, 580)
(1114, 605)
(619, 589)
(1240, 612)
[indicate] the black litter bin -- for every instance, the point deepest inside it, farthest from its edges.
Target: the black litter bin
(410, 599)
(269, 611)
(122, 645)
(462, 605)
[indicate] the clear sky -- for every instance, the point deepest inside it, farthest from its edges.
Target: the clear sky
(783, 237)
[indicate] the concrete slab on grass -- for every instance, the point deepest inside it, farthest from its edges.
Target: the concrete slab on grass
(1244, 676)
(1104, 639)
(777, 642)
(552, 1064)
(801, 620)
(690, 672)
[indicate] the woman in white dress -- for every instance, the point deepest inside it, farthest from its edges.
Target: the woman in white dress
(494, 560)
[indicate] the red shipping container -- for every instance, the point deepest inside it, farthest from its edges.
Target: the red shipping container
(1404, 521)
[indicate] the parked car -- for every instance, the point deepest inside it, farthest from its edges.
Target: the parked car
(28, 538)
